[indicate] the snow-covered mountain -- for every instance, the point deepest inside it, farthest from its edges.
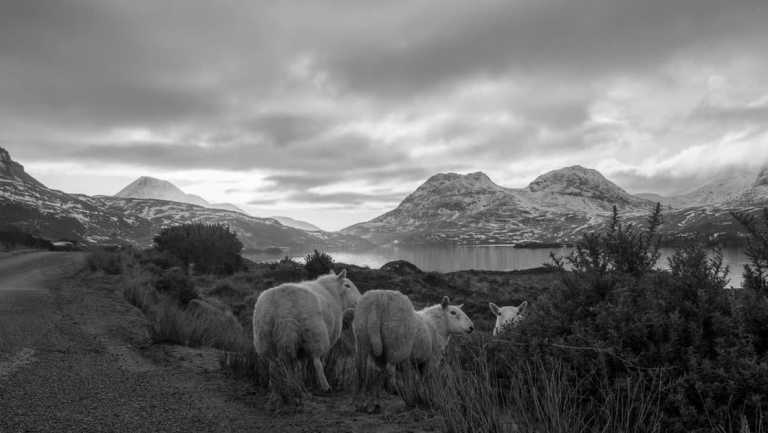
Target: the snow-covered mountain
(472, 209)
(297, 224)
(30, 205)
(159, 189)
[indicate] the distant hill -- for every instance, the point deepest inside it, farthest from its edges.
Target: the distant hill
(159, 189)
(297, 224)
(29, 205)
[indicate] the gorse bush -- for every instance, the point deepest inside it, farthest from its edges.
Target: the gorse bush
(210, 248)
(618, 323)
(756, 272)
(317, 263)
(177, 285)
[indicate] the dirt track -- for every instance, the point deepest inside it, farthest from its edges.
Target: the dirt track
(75, 357)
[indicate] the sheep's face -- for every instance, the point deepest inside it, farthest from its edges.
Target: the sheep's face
(506, 316)
(344, 288)
(349, 294)
(457, 319)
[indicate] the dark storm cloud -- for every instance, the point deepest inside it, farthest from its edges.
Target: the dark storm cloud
(556, 38)
(328, 92)
(286, 128)
(328, 157)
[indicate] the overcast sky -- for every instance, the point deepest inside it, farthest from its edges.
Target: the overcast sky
(332, 111)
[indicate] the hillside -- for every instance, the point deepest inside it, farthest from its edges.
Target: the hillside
(722, 188)
(297, 224)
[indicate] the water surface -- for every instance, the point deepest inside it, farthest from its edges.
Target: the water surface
(445, 258)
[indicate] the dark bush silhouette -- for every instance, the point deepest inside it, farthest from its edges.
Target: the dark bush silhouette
(209, 248)
(317, 264)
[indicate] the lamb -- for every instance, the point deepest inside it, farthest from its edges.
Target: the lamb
(506, 316)
(389, 331)
(303, 319)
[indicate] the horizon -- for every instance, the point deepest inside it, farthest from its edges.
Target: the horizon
(332, 113)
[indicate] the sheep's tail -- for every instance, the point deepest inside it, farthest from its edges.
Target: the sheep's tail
(374, 334)
(287, 337)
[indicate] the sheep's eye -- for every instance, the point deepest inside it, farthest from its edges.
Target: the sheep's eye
(453, 313)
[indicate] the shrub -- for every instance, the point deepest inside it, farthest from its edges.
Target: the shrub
(177, 285)
(756, 273)
(106, 261)
(211, 248)
(171, 324)
(618, 326)
(317, 263)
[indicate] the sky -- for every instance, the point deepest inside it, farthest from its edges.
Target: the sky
(333, 111)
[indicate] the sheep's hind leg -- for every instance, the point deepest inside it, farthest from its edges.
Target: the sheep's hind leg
(320, 373)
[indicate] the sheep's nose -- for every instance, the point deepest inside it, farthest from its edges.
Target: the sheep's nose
(471, 328)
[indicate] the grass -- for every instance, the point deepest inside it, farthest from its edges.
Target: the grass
(478, 388)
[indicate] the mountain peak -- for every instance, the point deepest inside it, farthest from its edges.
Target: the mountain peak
(153, 188)
(448, 183)
(581, 181)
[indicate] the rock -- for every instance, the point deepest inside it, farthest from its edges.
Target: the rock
(401, 267)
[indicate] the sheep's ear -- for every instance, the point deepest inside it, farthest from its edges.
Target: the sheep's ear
(460, 306)
(522, 306)
(343, 274)
(494, 308)
(331, 272)
(444, 304)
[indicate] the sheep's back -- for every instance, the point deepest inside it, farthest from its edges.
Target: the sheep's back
(384, 325)
(280, 316)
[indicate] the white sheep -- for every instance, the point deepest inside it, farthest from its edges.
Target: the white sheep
(507, 316)
(302, 319)
(390, 332)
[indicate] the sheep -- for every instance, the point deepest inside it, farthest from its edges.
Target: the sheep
(303, 319)
(506, 316)
(391, 332)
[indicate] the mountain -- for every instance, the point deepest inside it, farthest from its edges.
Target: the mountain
(297, 224)
(721, 189)
(757, 194)
(11, 170)
(159, 189)
(30, 205)
(227, 206)
(472, 209)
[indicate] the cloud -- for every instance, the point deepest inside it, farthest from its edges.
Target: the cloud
(354, 103)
